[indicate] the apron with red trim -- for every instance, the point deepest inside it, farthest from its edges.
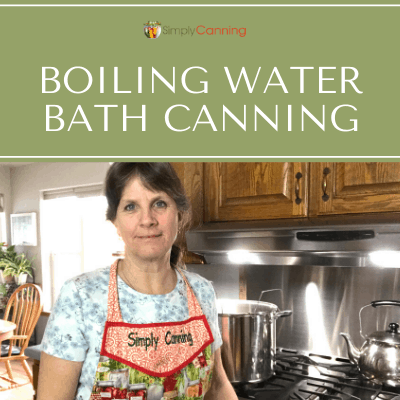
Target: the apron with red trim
(160, 361)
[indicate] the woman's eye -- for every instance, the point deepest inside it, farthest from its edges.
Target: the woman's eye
(160, 204)
(130, 207)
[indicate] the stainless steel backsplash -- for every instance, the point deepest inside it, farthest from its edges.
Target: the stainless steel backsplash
(224, 278)
(326, 301)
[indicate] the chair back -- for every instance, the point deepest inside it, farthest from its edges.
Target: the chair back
(24, 309)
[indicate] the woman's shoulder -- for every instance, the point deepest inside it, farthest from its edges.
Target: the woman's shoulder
(90, 280)
(199, 283)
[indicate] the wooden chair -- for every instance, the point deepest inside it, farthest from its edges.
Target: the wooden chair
(23, 309)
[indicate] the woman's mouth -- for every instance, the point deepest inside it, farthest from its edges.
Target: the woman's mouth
(150, 236)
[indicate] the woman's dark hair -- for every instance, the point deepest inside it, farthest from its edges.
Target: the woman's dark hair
(155, 176)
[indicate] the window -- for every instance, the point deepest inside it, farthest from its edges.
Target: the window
(76, 237)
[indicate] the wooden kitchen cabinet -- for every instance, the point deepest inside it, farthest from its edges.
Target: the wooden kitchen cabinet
(354, 188)
(242, 191)
(191, 176)
(236, 191)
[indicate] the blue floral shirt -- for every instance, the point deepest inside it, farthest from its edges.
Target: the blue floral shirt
(75, 328)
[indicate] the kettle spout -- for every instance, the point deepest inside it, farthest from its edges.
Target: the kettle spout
(354, 353)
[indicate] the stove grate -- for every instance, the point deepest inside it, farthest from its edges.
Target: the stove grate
(301, 376)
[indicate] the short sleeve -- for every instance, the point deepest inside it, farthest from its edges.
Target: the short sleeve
(214, 322)
(206, 295)
(64, 335)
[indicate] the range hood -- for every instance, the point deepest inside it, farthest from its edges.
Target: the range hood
(345, 245)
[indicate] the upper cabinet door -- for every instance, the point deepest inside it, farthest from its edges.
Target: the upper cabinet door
(253, 191)
(348, 188)
(191, 176)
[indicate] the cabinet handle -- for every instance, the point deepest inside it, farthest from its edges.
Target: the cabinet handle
(299, 175)
(326, 172)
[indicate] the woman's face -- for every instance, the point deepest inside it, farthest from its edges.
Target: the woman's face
(147, 221)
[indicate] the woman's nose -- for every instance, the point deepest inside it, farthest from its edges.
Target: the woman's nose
(148, 218)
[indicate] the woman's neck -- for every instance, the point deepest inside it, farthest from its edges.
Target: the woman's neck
(150, 277)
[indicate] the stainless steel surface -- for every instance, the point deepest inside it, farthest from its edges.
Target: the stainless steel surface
(219, 244)
(326, 301)
(225, 280)
(379, 357)
(295, 258)
(248, 331)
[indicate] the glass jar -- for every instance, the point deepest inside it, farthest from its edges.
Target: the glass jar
(106, 389)
(102, 374)
(120, 376)
(193, 388)
(205, 378)
(155, 391)
(137, 391)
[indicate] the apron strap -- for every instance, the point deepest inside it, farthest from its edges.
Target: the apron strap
(114, 311)
(193, 305)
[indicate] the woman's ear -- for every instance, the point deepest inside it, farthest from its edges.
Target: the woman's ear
(117, 229)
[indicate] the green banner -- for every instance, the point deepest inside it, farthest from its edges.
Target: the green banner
(179, 82)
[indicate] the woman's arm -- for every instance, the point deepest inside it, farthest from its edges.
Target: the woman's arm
(58, 378)
(221, 388)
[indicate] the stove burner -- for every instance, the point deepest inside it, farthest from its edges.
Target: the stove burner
(301, 376)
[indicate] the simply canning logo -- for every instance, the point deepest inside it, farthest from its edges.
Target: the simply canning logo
(204, 30)
(152, 30)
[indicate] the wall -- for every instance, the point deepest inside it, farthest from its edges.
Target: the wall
(5, 189)
(26, 183)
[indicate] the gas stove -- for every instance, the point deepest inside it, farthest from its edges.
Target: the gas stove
(302, 376)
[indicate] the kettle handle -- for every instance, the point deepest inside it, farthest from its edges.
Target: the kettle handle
(377, 303)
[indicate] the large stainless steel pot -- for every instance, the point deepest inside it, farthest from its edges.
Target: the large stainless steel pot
(248, 331)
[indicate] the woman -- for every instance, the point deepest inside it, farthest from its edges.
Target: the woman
(137, 330)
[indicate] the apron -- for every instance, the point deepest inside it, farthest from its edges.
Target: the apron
(159, 361)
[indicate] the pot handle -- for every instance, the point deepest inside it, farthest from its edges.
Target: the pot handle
(285, 313)
(279, 314)
(377, 303)
(266, 291)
